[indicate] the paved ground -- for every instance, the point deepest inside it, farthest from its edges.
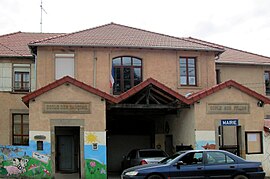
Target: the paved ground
(76, 176)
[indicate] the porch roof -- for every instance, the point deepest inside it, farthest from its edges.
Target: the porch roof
(72, 81)
(230, 83)
(161, 94)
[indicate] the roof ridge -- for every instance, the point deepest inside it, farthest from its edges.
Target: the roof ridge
(67, 34)
(124, 26)
(13, 33)
(179, 38)
(229, 47)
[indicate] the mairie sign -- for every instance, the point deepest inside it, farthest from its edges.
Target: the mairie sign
(229, 122)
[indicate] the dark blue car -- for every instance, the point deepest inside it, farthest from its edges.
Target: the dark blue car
(198, 164)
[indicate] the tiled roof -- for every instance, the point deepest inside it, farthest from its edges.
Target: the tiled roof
(115, 35)
(72, 81)
(111, 99)
(232, 55)
(147, 82)
(16, 44)
(230, 83)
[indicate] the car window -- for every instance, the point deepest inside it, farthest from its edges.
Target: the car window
(168, 159)
(132, 154)
(218, 158)
(192, 158)
(152, 153)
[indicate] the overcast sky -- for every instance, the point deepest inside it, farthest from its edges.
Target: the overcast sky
(240, 24)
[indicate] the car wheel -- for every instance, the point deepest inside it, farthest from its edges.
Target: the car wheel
(154, 177)
(240, 177)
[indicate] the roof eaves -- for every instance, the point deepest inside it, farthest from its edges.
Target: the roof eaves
(124, 46)
(242, 63)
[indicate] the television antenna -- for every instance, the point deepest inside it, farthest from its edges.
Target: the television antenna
(41, 11)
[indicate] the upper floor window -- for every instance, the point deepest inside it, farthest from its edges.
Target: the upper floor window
(20, 132)
(64, 65)
(267, 82)
(127, 72)
(188, 71)
(21, 80)
(218, 79)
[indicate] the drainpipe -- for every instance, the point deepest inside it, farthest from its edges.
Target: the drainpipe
(95, 69)
(35, 73)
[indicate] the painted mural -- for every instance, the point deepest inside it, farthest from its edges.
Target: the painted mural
(25, 161)
(205, 140)
(95, 155)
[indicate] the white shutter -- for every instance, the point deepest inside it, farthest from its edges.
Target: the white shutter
(64, 65)
(5, 76)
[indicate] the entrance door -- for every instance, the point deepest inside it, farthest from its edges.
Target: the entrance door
(67, 149)
(66, 153)
(169, 144)
(229, 139)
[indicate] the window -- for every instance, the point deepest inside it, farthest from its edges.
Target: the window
(21, 81)
(20, 132)
(267, 82)
(254, 142)
(127, 72)
(218, 80)
(64, 65)
(188, 71)
(192, 158)
(218, 158)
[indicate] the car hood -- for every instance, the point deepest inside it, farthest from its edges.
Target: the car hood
(144, 167)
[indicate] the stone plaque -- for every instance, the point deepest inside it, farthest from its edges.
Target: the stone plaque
(67, 107)
(220, 108)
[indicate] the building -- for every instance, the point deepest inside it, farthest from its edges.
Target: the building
(80, 101)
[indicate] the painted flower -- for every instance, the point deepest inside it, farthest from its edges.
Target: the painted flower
(92, 164)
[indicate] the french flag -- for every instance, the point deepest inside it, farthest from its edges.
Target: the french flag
(112, 78)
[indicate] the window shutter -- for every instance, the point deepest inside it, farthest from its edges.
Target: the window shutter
(64, 65)
(5, 76)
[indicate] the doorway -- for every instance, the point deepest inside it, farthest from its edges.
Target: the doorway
(67, 147)
(229, 138)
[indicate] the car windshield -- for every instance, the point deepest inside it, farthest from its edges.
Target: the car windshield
(168, 159)
(151, 154)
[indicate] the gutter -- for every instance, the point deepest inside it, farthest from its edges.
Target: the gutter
(243, 63)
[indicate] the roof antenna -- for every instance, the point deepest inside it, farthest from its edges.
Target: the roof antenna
(41, 11)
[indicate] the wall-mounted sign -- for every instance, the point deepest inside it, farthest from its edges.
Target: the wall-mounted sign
(229, 122)
(67, 107)
(231, 108)
(39, 137)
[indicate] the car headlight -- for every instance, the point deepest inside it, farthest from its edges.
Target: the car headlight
(132, 173)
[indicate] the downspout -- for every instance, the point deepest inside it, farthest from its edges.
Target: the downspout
(35, 73)
(95, 69)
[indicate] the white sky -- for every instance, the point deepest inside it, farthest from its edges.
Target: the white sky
(240, 24)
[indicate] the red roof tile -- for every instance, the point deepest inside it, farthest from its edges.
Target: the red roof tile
(150, 81)
(232, 55)
(115, 35)
(16, 44)
(204, 93)
(62, 81)
(147, 82)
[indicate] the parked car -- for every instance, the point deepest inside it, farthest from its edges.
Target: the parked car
(143, 156)
(198, 164)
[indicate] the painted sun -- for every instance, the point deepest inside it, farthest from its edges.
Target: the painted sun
(91, 138)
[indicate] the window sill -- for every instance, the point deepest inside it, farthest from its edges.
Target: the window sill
(189, 87)
(19, 92)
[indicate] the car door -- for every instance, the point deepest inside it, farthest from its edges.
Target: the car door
(129, 160)
(189, 166)
(219, 165)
